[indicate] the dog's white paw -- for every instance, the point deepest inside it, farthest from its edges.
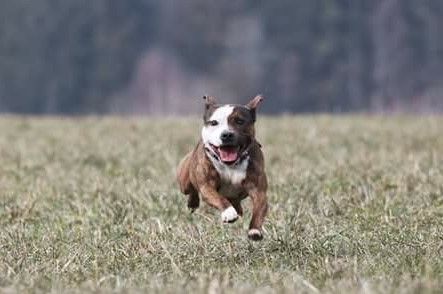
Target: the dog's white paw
(255, 234)
(229, 215)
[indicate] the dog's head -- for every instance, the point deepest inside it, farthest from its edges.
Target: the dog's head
(229, 129)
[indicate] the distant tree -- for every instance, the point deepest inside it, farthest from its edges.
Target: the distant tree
(70, 56)
(79, 56)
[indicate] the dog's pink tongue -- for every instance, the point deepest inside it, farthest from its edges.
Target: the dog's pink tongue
(228, 154)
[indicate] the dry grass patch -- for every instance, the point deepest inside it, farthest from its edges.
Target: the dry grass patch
(90, 205)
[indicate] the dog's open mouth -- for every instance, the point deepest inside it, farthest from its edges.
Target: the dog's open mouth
(227, 154)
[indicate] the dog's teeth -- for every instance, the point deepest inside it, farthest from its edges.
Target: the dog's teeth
(229, 215)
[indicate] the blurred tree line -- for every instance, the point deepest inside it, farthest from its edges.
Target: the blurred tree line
(83, 56)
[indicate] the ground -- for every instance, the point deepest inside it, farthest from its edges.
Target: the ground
(91, 205)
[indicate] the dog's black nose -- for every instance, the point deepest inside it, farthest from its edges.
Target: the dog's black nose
(227, 136)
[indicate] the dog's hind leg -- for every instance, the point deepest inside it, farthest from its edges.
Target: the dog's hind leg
(193, 200)
(185, 184)
(183, 175)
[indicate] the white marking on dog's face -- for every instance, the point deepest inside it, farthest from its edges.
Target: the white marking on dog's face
(211, 133)
(211, 136)
(229, 215)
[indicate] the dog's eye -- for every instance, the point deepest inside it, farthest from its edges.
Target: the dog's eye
(239, 121)
(213, 123)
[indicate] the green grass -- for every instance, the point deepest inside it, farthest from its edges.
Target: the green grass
(91, 205)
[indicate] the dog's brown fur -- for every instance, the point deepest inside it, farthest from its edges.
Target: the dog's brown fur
(197, 175)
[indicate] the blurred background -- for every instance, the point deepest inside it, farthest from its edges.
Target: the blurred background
(161, 57)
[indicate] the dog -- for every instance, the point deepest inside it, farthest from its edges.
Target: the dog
(227, 165)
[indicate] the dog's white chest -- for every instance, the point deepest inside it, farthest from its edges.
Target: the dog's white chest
(233, 175)
(231, 179)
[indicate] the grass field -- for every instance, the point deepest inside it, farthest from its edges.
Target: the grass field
(91, 205)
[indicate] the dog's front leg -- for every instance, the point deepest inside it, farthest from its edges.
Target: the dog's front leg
(259, 210)
(214, 199)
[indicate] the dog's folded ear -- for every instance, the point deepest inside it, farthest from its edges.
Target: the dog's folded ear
(255, 102)
(209, 100)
